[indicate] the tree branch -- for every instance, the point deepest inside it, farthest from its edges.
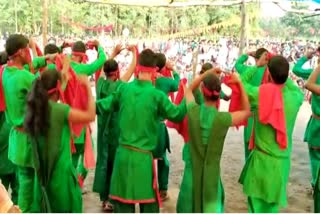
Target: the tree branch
(299, 11)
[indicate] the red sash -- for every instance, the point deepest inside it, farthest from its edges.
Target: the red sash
(2, 99)
(235, 100)
(75, 95)
(182, 127)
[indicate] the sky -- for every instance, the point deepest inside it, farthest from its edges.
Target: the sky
(269, 9)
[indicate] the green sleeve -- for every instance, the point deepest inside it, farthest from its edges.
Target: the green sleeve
(247, 76)
(105, 104)
(51, 66)
(28, 79)
(38, 62)
(89, 69)
(252, 91)
(299, 96)
(299, 71)
(240, 66)
(170, 111)
(175, 82)
(198, 96)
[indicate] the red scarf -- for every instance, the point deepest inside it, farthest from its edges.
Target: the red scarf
(182, 127)
(2, 99)
(81, 54)
(75, 95)
(235, 100)
(271, 111)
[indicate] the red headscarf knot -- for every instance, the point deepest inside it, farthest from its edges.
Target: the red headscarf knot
(81, 54)
(209, 93)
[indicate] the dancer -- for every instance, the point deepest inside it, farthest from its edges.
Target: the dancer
(47, 124)
(108, 127)
(168, 85)
(73, 96)
(261, 57)
(8, 174)
(313, 86)
(17, 79)
(271, 142)
(133, 178)
(312, 132)
(207, 130)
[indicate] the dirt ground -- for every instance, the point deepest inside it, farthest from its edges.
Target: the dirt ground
(299, 197)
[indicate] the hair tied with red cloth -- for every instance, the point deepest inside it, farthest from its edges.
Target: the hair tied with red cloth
(53, 90)
(91, 45)
(142, 68)
(81, 54)
(209, 93)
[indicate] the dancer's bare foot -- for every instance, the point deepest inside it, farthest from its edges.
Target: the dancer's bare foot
(164, 195)
(107, 206)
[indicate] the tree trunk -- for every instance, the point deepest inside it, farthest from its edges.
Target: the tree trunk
(195, 55)
(44, 21)
(243, 37)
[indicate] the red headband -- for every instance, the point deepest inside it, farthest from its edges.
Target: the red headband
(81, 54)
(18, 52)
(141, 68)
(209, 93)
(53, 90)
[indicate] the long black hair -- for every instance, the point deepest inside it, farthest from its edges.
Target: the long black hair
(36, 122)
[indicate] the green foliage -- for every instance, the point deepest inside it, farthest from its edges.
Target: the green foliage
(26, 16)
(292, 25)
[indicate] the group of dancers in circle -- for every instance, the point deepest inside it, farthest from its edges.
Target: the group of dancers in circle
(46, 148)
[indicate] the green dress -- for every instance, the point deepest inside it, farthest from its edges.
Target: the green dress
(312, 133)
(8, 175)
(57, 179)
(85, 69)
(256, 80)
(140, 107)
(268, 193)
(16, 84)
(107, 140)
(166, 85)
(186, 187)
(208, 129)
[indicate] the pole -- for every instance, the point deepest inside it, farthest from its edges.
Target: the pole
(243, 37)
